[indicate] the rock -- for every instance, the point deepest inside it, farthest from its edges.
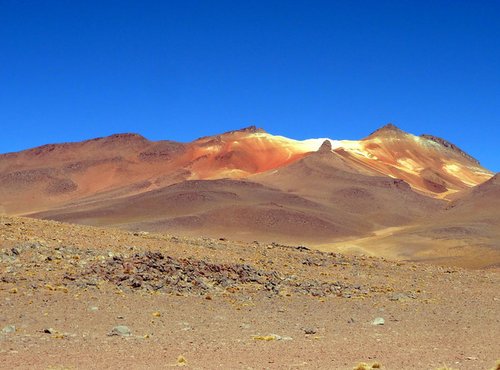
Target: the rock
(401, 297)
(49, 331)
(9, 329)
(378, 321)
(310, 331)
(120, 330)
(94, 308)
(326, 147)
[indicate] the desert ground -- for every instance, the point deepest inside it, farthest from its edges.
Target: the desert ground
(81, 297)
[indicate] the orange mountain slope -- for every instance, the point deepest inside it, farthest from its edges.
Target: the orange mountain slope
(125, 164)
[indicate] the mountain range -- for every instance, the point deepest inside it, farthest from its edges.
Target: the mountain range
(390, 194)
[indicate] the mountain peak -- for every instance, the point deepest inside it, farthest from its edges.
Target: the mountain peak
(249, 129)
(388, 129)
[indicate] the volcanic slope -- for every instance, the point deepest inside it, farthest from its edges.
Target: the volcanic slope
(120, 165)
(431, 165)
(248, 210)
(218, 208)
(316, 199)
(327, 177)
(465, 233)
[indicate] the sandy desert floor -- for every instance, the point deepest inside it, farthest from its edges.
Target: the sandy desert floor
(89, 298)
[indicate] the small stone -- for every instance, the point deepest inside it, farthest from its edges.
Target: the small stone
(401, 297)
(49, 331)
(9, 329)
(378, 321)
(94, 308)
(310, 331)
(120, 330)
(156, 314)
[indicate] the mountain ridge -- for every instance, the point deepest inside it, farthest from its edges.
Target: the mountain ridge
(249, 185)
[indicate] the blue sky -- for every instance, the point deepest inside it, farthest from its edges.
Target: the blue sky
(73, 70)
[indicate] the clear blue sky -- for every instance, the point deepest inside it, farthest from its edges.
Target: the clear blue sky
(73, 70)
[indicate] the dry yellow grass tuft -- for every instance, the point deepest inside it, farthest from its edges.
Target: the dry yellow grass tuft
(365, 366)
(181, 361)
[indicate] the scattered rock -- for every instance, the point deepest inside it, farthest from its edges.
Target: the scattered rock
(310, 330)
(49, 331)
(9, 329)
(120, 330)
(378, 321)
(94, 308)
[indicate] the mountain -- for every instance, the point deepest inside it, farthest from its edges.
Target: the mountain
(251, 185)
(125, 164)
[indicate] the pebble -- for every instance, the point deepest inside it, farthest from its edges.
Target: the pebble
(94, 308)
(310, 331)
(378, 321)
(9, 329)
(120, 330)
